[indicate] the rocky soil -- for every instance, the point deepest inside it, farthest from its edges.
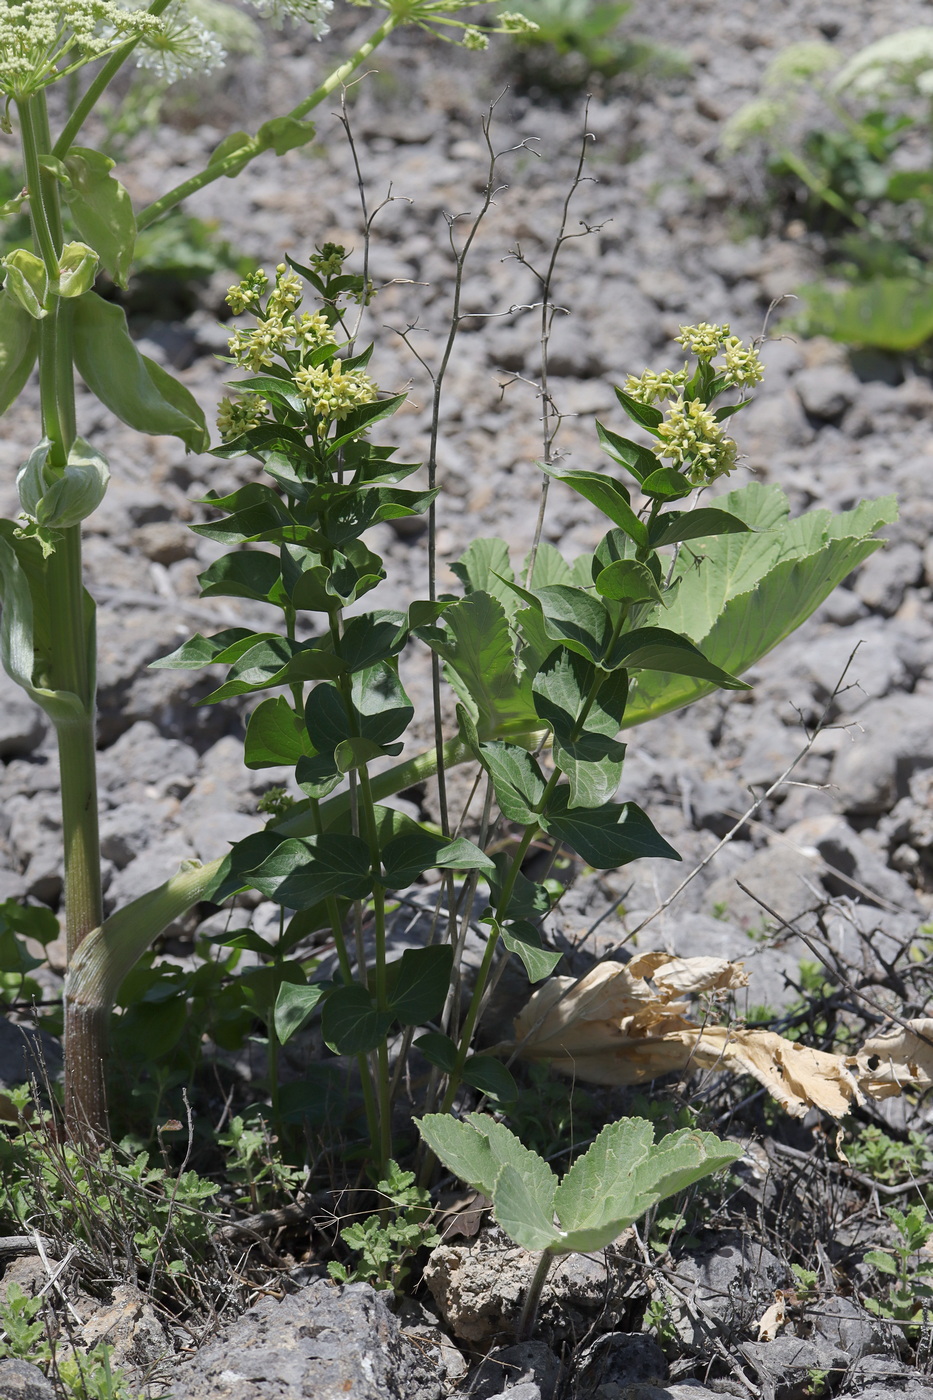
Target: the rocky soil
(665, 242)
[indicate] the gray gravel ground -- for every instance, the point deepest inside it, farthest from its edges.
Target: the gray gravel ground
(667, 244)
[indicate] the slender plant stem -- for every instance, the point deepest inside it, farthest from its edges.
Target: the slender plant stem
(233, 163)
(529, 1311)
(98, 86)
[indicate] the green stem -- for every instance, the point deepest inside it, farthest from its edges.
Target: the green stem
(233, 163)
(98, 86)
(71, 667)
(482, 976)
(529, 1311)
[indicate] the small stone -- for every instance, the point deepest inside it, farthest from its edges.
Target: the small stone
(886, 577)
(20, 1380)
(827, 391)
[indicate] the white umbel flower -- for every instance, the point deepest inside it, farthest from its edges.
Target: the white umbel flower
(184, 47)
(310, 12)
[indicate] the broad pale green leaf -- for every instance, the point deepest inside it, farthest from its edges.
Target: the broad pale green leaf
(25, 636)
(407, 856)
(524, 940)
(438, 1050)
(59, 498)
(294, 1006)
(660, 649)
(274, 735)
(351, 1023)
(490, 1077)
(682, 1158)
(550, 567)
(476, 644)
(521, 1214)
(102, 210)
(606, 836)
(485, 567)
(418, 982)
(892, 313)
(462, 1149)
(742, 594)
(607, 495)
(517, 780)
(301, 872)
(509, 1151)
(136, 389)
(598, 1187)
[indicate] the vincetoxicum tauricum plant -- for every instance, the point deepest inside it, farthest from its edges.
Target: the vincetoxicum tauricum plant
(82, 221)
(548, 667)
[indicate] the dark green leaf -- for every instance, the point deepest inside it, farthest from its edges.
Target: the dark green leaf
(274, 735)
(249, 573)
(607, 495)
(370, 638)
(351, 1023)
(417, 984)
(626, 581)
(527, 900)
(609, 836)
(666, 484)
(517, 780)
(524, 940)
(438, 1050)
(301, 872)
(695, 525)
(645, 415)
(408, 856)
(360, 419)
(490, 1076)
(640, 461)
(576, 619)
(294, 1006)
(202, 651)
(658, 649)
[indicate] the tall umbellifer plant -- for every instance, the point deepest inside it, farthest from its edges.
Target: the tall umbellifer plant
(82, 222)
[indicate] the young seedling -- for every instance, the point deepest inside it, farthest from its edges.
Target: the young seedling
(620, 1177)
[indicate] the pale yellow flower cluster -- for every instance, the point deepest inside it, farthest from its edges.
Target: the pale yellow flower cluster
(743, 366)
(696, 443)
(236, 416)
(649, 388)
(332, 392)
(704, 340)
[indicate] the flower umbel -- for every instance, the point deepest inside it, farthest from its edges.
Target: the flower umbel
(331, 392)
(236, 416)
(650, 388)
(695, 442)
(43, 40)
(704, 340)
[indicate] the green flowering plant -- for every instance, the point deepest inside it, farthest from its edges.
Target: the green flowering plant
(548, 664)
